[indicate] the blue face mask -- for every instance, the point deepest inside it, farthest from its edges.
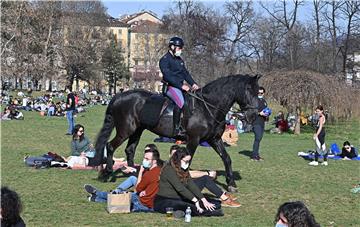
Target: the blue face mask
(280, 225)
(146, 164)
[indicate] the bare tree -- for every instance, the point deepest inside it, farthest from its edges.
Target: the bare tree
(351, 12)
(318, 6)
(15, 40)
(287, 18)
(331, 15)
(85, 38)
(266, 40)
(302, 91)
(241, 23)
(203, 31)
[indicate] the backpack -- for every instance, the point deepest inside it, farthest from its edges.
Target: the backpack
(334, 149)
(37, 162)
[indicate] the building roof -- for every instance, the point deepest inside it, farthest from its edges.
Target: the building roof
(127, 18)
(113, 22)
(145, 27)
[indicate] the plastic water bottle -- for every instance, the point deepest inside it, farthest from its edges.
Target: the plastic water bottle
(188, 215)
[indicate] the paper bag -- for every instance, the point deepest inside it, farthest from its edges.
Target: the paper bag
(118, 203)
(230, 136)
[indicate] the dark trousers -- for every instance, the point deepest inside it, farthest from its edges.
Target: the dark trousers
(258, 132)
(320, 146)
(161, 203)
(208, 183)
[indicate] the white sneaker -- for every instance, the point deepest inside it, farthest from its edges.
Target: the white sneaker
(314, 163)
(325, 163)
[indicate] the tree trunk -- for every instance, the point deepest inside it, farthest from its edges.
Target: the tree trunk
(50, 84)
(114, 84)
(297, 124)
(20, 83)
(334, 52)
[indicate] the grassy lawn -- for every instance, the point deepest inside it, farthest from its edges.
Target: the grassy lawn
(55, 197)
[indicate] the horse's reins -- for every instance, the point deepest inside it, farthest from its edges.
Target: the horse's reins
(207, 104)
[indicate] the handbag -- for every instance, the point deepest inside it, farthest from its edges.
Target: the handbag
(119, 203)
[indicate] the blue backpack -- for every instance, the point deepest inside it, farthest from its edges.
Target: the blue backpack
(37, 162)
(334, 149)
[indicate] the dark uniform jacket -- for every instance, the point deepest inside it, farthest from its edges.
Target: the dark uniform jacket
(260, 120)
(174, 71)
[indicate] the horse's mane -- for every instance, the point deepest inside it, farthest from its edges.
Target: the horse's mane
(222, 81)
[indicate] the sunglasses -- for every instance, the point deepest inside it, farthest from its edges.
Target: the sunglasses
(347, 147)
(81, 131)
(261, 93)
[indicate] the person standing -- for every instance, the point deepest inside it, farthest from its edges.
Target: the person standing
(70, 108)
(174, 73)
(259, 125)
(319, 137)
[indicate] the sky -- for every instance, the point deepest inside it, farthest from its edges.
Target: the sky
(121, 7)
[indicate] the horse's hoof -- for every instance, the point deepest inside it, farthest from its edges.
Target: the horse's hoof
(232, 189)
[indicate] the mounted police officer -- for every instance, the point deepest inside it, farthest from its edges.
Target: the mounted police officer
(174, 73)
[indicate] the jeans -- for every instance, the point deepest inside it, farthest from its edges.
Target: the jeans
(126, 184)
(208, 183)
(137, 206)
(258, 132)
(51, 111)
(70, 120)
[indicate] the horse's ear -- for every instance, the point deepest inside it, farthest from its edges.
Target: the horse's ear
(257, 77)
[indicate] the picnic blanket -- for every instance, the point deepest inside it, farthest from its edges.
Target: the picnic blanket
(308, 156)
(118, 164)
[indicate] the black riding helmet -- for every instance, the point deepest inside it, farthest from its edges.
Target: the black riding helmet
(176, 41)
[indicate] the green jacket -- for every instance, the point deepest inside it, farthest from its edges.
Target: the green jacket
(78, 146)
(170, 186)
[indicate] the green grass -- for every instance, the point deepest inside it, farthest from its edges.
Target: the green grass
(55, 197)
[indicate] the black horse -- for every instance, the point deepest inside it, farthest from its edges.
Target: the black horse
(203, 120)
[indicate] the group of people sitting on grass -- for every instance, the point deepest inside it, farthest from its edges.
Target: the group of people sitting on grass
(289, 214)
(158, 185)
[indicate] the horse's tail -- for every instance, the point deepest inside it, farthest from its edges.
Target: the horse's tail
(103, 137)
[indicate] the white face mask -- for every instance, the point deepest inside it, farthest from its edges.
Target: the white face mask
(260, 96)
(177, 53)
(184, 165)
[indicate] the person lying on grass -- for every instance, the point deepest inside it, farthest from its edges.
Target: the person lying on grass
(146, 184)
(348, 152)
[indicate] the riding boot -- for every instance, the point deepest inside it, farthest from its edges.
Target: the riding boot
(178, 130)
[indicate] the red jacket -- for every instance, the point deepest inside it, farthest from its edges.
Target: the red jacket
(150, 184)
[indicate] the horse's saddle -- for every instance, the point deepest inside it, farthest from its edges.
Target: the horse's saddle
(156, 106)
(159, 105)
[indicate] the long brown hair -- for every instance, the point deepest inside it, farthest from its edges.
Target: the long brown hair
(175, 162)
